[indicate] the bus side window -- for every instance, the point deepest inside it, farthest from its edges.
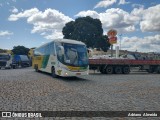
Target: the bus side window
(41, 51)
(36, 52)
(47, 50)
(52, 49)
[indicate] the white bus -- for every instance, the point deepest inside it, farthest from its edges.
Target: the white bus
(62, 57)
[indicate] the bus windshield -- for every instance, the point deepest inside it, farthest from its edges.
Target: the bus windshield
(74, 54)
(4, 57)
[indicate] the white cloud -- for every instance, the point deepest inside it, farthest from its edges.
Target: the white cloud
(105, 3)
(48, 23)
(5, 33)
(114, 18)
(14, 0)
(151, 19)
(122, 2)
(137, 5)
(146, 44)
(138, 12)
(1, 5)
(90, 13)
(118, 19)
(25, 14)
(14, 10)
(123, 21)
(55, 34)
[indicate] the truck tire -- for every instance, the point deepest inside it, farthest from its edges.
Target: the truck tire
(118, 70)
(109, 69)
(150, 70)
(126, 70)
(102, 70)
(53, 73)
(157, 69)
(13, 66)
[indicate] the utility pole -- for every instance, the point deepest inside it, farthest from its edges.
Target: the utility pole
(120, 37)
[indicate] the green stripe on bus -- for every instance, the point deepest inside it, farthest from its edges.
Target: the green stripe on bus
(45, 61)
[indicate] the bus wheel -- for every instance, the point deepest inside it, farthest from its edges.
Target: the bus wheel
(53, 73)
(126, 70)
(36, 68)
(109, 69)
(118, 70)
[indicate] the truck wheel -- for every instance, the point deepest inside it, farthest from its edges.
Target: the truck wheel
(102, 70)
(150, 70)
(118, 70)
(126, 70)
(109, 69)
(158, 69)
(53, 73)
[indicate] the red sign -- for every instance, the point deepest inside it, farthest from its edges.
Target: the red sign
(113, 40)
(112, 33)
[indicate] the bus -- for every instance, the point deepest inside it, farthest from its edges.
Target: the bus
(62, 57)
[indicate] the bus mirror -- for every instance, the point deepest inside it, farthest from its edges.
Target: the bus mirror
(61, 49)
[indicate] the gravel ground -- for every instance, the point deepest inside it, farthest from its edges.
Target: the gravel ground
(27, 90)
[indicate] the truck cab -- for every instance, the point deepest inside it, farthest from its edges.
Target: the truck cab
(5, 60)
(21, 60)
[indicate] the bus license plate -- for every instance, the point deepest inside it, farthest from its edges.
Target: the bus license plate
(78, 73)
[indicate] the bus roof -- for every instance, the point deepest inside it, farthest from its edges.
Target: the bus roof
(69, 41)
(63, 41)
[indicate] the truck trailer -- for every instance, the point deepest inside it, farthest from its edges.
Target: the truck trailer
(123, 66)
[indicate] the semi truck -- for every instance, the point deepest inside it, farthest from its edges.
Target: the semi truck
(119, 65)
(5, 60)
(21, 61)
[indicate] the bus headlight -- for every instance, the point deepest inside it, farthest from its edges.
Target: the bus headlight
(66, 73)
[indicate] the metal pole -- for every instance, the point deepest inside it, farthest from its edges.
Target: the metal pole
(120, 37)
(111, 50)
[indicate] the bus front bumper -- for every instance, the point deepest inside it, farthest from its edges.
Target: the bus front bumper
(66, 73)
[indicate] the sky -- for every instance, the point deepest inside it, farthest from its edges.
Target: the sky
(32, 23)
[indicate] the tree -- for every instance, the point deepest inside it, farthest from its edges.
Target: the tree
(87, 30)
(2, 51)
(20, 50)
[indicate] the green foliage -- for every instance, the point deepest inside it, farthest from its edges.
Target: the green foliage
(20, 50)
(2, 51)
(87, 30)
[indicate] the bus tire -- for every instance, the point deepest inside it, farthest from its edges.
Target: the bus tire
(36, 68)
(109, 69)
(126, 70)
(118, 70)
(53, 73)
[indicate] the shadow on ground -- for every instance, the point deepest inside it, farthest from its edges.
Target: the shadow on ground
(66, 79)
